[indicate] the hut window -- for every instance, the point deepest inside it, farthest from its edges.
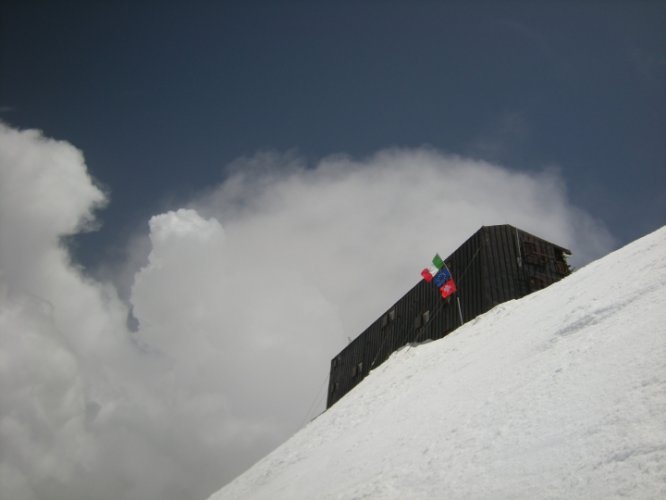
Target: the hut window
(392, 315)
(537, 283)
(384, 320)
(426, 317)
(561, 268)
(529, 247)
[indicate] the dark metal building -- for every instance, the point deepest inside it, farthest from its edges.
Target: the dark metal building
(496, 264)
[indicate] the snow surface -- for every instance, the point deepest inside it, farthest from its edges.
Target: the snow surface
(561, 394)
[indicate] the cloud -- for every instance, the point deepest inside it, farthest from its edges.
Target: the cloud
(245, 296)
(84, 412)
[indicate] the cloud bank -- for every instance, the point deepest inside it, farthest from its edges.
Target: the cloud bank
(246, 295)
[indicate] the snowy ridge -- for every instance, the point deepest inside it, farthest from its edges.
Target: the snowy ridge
(561, 394)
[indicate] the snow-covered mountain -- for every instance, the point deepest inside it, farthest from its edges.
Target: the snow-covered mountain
(561, 394)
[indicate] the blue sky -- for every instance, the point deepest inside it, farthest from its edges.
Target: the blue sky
(161, 96)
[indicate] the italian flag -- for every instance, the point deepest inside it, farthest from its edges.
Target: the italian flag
(429, 272)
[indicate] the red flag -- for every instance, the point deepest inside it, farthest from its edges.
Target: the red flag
(448, 288)
(427, 275)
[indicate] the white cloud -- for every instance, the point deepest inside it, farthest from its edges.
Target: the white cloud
(246, 296)
(361, 228)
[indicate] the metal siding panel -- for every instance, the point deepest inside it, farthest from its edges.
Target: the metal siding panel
(486, 267)
(507, 270)
(491, 282)
(504, 265)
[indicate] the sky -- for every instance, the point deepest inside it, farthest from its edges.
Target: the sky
(200, 203)
(162, 96)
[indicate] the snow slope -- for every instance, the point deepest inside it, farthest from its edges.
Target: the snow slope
(561, 394)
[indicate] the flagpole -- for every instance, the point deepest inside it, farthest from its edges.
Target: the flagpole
(459, 310)
(457, 296)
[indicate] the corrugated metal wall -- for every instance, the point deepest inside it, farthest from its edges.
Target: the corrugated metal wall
(496, 264)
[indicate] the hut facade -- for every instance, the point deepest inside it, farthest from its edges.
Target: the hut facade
(496, 264)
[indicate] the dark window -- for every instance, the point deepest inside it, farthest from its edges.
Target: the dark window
(537, 283)
(538, 259)
(529, 247)
(534, 254)
(561, 268)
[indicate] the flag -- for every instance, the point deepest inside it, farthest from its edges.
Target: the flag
(440, 276)
(429, 273)
(448, 288)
